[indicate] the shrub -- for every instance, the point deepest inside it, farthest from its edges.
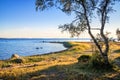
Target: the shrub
(84, 58)
(97, 62)
(67, 44)
(117, 61)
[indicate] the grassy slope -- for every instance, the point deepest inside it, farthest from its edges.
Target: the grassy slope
(60, 65)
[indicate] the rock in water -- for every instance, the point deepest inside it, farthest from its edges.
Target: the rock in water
(15, 56)
(37, 47)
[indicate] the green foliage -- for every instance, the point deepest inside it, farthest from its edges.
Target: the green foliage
(97, 62)
(84, 58)
(117, 61)
(85, 12)
(67, 44)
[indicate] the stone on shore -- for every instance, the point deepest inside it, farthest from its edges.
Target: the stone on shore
(17, 59)
(15, 56)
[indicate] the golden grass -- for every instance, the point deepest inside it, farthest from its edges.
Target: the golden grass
(53, 65)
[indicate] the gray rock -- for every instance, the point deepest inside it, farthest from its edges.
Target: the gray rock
(15, 56)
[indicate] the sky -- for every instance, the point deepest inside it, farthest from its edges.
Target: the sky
(19, 19)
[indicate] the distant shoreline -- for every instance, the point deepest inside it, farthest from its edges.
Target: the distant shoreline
(48, 39)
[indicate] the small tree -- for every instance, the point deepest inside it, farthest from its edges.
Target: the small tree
(118, 34)
(85, 12)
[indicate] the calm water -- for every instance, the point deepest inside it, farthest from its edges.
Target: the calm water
(27, 47)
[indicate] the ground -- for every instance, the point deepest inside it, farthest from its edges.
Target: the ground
(61, 65)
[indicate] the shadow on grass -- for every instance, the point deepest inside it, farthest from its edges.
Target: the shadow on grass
(75, 71)
(117, 51)
(59, 72)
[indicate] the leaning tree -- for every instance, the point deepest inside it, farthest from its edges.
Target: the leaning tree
(85, 13)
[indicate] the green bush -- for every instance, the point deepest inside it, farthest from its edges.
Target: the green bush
(116, 61)
(97, 62)
(67, 44)
(84, 58)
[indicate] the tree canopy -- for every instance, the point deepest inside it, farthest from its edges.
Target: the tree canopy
(85, 12)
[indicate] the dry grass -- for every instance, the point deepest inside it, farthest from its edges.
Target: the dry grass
(58, 65)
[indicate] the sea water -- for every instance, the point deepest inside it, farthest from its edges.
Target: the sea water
(28, 47)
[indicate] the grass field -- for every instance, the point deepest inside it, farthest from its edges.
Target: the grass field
(61, 65)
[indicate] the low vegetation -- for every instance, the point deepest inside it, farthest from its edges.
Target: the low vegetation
(76, 63)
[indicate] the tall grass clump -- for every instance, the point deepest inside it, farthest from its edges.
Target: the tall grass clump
(98, 63)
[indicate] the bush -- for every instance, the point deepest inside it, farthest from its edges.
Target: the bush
(97, 62)
(117, 61)
(67, 44)
(84, 58)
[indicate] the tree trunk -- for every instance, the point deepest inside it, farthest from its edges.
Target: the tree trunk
(104, 53)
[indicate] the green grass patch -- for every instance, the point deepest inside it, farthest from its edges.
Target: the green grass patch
(33, 59)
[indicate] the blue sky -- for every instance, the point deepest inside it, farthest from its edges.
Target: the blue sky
(19, 19)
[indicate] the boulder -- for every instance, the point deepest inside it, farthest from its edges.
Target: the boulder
(15, 56)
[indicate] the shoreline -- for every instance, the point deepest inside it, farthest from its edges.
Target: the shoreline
(64, 63)
(65, 44)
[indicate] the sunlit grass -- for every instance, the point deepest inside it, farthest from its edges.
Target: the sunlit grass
(52, 66)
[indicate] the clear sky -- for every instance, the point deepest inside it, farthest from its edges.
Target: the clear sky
(19, 19)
